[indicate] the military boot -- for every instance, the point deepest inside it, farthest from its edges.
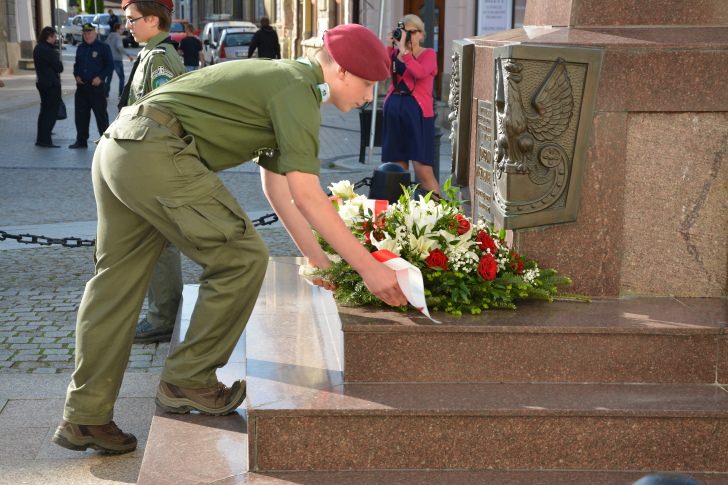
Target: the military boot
(106, 438)
(216, 400)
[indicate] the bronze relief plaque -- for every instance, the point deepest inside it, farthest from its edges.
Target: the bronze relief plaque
(459, 102)
(532, 137)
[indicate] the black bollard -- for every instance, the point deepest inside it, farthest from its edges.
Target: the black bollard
(387, 182)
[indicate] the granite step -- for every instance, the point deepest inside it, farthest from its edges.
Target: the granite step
(302, 423)
(458, 477)
(635, 340)
(639, 427)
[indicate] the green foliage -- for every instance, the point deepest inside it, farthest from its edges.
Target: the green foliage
(94, 6)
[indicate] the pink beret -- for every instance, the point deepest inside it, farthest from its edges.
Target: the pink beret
(358, 50)
(166, 3)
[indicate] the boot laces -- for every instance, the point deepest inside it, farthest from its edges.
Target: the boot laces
(112, 427)
(222, 390)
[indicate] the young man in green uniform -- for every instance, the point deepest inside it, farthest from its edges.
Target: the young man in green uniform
(149, 21)
(154, 179)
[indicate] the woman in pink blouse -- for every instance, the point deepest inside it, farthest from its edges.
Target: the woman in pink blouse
(408, 130)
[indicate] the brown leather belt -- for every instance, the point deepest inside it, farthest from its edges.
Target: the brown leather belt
(161, 116)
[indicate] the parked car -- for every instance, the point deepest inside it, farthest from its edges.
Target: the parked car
(101, 22)
(177, 30)
(71, 29)
(213, 30)
(233, 44)
(128, 39)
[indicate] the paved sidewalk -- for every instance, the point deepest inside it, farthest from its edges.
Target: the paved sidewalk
(48, 192)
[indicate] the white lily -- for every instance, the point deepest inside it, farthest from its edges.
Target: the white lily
(420, 245)
(343, 189)
(387, 243)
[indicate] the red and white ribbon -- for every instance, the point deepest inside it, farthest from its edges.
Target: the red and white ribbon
(409, 278)
(377, 206)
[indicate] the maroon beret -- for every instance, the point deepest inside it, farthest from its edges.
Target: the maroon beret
(165, 3)
(358, 50)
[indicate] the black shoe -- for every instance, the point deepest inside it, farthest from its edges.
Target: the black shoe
(146, 333)
(78, 144)
(46, 145)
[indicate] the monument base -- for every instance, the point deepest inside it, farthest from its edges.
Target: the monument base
(550, 393)
(651, 210)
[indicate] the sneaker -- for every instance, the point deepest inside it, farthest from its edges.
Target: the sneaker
(146, 333)
(216, 400)
(106, 438)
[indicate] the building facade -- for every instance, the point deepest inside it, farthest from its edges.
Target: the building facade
(300, 23)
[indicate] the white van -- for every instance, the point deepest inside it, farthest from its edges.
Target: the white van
(210, 35)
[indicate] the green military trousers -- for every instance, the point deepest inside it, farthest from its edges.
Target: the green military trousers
(150, 185)
(165, 289)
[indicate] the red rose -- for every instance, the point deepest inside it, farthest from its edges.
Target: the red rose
(463, 224)
(517, 265)
(486, 242)
(487, 268)
(436, 259)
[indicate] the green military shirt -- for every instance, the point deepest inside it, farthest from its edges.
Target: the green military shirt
(159, 63)
(240, 110)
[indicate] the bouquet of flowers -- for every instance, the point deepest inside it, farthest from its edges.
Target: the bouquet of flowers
(466, 266)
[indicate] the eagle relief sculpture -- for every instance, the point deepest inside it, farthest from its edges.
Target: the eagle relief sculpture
(525, 143)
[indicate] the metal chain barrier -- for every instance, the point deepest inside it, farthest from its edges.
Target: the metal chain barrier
(77, 242)
(68, 242)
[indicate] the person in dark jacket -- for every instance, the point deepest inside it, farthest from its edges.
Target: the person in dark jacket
(94, 63)
(48, 69)
(113, 19)
(266, 41)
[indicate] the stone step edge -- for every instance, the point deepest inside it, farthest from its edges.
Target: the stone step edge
(532, 399)
(464, 329)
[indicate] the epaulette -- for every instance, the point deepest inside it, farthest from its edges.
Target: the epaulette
(158, 50)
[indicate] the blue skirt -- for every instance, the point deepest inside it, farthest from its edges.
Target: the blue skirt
(406, 134)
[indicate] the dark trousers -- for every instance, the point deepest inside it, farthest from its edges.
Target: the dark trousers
(119, 69)
(89, 98)
(50, 98)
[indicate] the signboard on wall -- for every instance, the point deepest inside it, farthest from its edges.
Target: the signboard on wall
(494, 16)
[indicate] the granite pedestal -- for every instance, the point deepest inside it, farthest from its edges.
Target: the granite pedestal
(342, 395)
(654, 194)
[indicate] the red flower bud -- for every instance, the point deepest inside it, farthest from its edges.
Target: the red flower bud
(517, 264)
(486, 242)
(487, 268)
(463, 224)
(436, 259)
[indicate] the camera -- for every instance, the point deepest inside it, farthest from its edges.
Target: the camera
(397, 33)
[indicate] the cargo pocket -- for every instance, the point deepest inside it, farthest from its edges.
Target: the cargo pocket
(126, 131)
(206, 218)
(186, 159)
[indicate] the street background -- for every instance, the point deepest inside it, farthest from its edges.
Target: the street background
(48, 192)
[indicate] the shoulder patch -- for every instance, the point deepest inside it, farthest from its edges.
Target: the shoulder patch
(161, 75)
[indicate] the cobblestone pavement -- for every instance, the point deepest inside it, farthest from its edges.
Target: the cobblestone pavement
(41, 287)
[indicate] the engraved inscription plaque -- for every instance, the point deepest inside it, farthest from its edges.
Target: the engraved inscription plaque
(532, 137)
(484, 161)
